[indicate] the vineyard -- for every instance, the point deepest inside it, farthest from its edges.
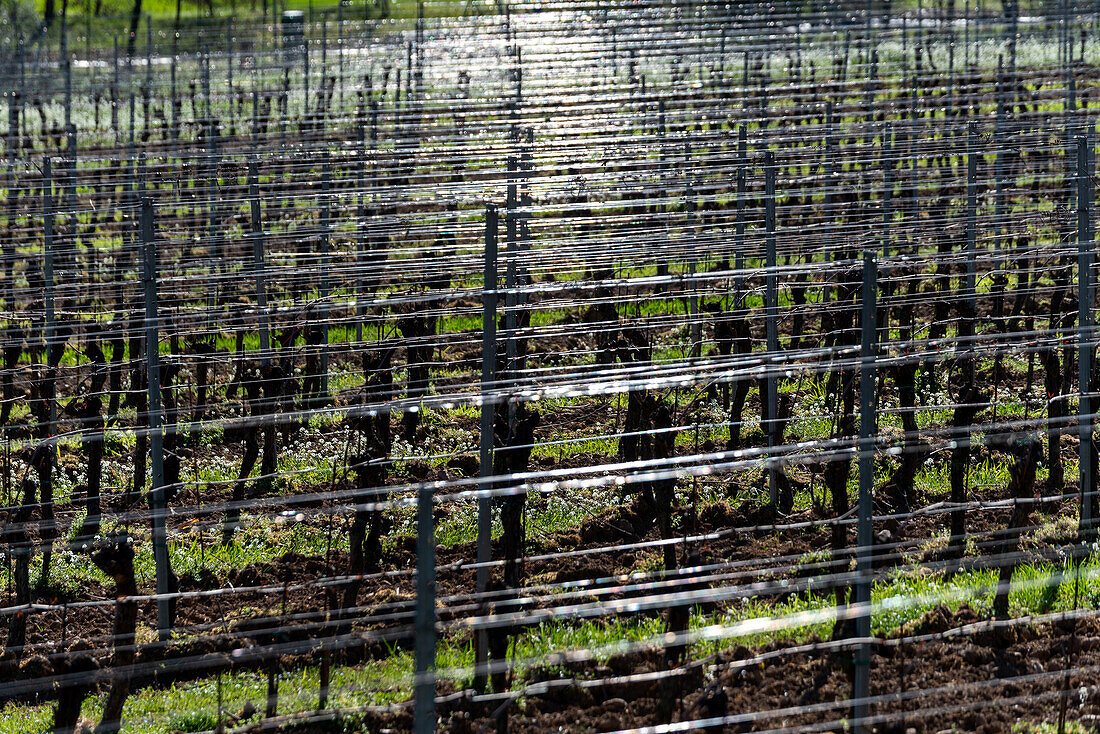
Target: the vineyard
(660, 366)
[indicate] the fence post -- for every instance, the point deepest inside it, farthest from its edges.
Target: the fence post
(68, 66)
(205, 67)
(1090, 161)
(214, 242)
(115, 99)
(971, 229)
(47, 523)
(305, 71)
(663, 255)
(229, 59)
(360, 226)
(867, 377)
(887, 188)
(511, 302)
(340, 51)
(156, 427)
(999, 195)
(424, 705)
(488, 417)
(696, 329)
(326, 226)
(14, 102)
(526, 169)
(827, 196)
(48, 276)
(322, 111)
(739, 231)
(69, 248)
(146, 93)
(869, 105)
(772, 317)
(961, 452)
(914, 158)
(1084, 337)
(257, 234)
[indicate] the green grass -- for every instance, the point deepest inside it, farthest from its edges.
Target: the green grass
(193, 706)
(257, 540)
(191, 12)
(899, 600)
(1051, 727)
(315, 456)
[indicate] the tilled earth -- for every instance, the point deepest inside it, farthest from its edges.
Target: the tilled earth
(928, 678)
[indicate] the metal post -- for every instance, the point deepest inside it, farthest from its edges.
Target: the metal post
(305, 71)
(949, 101)
(229, 53)
(204, 64)
(887, 189)
(360, 225)
(867, 377)
(964, 349)
(488, 417)
(914, 145)
(257, 234)
(1084, 336)
(772, 317)
(526, 168)
(49, 524)
(663, 256)
(971, 226)
(66, 60)
(1090, 140)
(869, 104)
(173, 125)
(340, 51)
(114, 94)
(326, 226)
(827, 196)
(999, 196)
(23, 83)
(255, 131)
(424, 705)
(14, 100)
(322, 110)
(739, 231)
(48, 276)
(1070, 109)
(214, 249)
(693, 300)
(146, 93)
(156, 427)
(510, 279)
